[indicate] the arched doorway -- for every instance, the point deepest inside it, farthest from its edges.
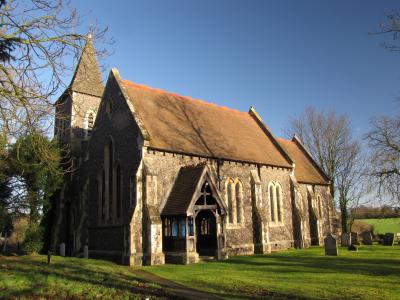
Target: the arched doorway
(206, 233)
(206, 224)
(193, 217)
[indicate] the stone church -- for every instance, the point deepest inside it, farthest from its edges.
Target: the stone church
(161, 178)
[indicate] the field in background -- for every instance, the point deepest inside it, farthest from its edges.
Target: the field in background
(382, 226)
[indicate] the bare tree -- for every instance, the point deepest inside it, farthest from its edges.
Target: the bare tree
(384, 142)
(329, 139)
(391, 26)
(352, 183)
(38, 43)
(384, 136)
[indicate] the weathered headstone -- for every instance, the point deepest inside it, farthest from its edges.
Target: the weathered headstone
(49, 257)
(352, 248)
(398, 237)
(86, 251)
(345, 240)
(367, 238)
(62, 249)
(5, 243)
(330, 245)
(388, 239)
(354, 238)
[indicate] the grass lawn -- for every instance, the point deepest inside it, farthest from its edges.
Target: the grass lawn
(30, 277)
(371, 273)
(382, 226)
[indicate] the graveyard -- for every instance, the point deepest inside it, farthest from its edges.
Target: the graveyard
(372, 272)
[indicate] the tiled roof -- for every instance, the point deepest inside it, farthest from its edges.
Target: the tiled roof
(87, 78)
(185, 125)
(306, 170)
(183, 190)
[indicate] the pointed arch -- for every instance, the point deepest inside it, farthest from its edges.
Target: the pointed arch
(90, 117)
(103, 194)
(239, 200)
(271, 192)
(119, 190)
(229, 188)
(109, 177)
(320, 207)
(279, 202)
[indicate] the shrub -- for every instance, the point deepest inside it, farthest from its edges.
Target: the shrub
(361, 226)
(33, 239)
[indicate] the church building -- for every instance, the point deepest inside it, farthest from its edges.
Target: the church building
(161, 178)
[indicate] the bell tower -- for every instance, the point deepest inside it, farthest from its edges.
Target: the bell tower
(77, 107)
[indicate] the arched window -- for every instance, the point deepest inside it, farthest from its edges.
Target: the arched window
(229, 198)
(239, 200)
(301, 204)
(90, 122)
(103, 194)
(119, 191)
(109, 107)
(319, 203)
(278, 198)
(110, 179)
(272, 202)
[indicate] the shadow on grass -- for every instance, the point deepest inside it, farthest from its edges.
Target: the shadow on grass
(356, 263)
(36, 274)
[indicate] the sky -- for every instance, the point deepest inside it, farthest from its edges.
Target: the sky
(278, 56)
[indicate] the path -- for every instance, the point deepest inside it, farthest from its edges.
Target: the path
(181, 291)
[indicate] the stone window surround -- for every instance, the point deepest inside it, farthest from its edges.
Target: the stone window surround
(111, 208)
(86, 121)
(320, 207)
(234, 183)
(276, 186)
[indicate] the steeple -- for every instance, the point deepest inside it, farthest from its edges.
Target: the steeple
(87, 77)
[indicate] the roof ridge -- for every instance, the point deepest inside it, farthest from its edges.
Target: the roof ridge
(187, 98)
(195, 166)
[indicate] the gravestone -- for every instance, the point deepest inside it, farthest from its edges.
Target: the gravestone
(354, 238)
(330, 245)
(345, 240)
(62, 249)
(352, 248)
(388, 239)
(49, 257)
(367, 238)
(86, 251)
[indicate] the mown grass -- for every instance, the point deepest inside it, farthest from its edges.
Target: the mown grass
(30, 277)
(371, 273)
(381, 226)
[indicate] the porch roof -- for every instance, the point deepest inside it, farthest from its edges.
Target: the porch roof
(183, 190)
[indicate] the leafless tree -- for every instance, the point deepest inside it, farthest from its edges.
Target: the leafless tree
(329, 139)
(391, 26)
(38, 44)
(384, 142)
(352, 183)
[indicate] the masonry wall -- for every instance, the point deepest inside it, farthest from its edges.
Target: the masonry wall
(239, 237)
(111, 236)
(311, 193)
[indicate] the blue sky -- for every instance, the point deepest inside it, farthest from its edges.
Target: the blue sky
(279, 56)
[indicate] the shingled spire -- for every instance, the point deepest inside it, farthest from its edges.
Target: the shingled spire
(87, 78)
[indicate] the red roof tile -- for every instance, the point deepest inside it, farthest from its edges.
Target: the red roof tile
(305, 169)
(182, 124)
